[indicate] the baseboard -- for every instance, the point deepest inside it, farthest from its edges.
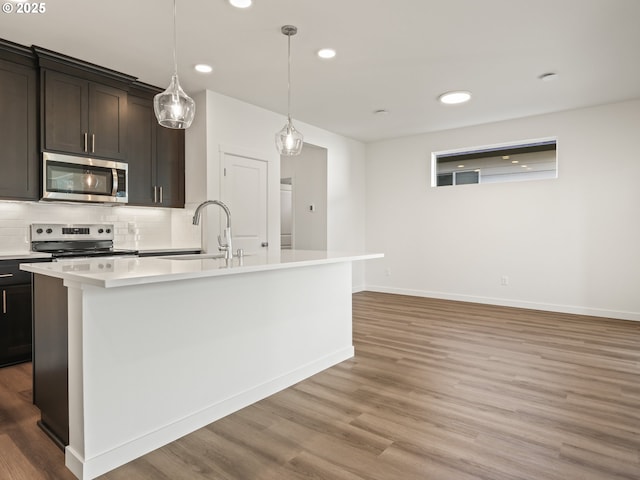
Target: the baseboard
(86, 469)
(572, 309)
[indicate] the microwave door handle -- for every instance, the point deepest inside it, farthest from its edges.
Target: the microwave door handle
(114, 190)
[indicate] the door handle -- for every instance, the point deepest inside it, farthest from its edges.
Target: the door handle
(265, 244)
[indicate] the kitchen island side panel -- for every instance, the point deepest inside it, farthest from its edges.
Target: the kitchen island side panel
(151, 363)
(50, 393)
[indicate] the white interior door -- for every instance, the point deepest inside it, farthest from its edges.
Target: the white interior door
(244, 190)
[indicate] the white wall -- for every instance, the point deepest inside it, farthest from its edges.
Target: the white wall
(226, 123)
(569, 244)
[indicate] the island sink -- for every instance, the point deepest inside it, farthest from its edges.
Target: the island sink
(195, 256)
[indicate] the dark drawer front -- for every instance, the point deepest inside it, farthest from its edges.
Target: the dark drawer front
(10, 273)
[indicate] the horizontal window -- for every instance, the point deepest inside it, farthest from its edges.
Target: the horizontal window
(530, 160)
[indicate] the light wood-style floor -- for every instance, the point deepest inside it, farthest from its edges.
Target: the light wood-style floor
(438, 390)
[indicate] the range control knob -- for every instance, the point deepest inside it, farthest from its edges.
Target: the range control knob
(49, 230)
(100, 230)
(39, 230)
(108, 230)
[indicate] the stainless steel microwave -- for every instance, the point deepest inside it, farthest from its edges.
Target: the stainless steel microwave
(80, 179)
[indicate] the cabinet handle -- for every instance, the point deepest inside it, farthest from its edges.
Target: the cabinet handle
(161, 200)
(155, 194)
(6, 275)
(86, 141)
(93, 143)
(4, 301)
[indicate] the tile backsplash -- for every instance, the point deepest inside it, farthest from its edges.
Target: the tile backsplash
(135, 227)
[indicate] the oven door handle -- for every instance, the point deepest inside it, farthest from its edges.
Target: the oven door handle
(114, 190)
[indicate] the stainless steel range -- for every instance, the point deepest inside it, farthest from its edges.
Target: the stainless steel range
(65, 241)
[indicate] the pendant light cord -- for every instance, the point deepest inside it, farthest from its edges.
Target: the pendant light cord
(289, 77)
(175, 41)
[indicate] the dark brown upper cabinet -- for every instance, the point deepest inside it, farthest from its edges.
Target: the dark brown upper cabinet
(155, 154)
(170, 174)
(83, 107)
(18, 123)
(141, 147)
(82, 117)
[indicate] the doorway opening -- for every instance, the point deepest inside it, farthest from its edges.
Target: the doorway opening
(303, 199)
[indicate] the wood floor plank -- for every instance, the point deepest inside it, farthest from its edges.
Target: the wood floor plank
(13, 464)
(437, 390)
(27, 452)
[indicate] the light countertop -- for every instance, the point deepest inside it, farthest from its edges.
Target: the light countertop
(120, 272)
(22, 255)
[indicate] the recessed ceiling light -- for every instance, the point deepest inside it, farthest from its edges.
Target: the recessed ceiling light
(460, 166)
(203, 68)
(241, 3)
(453, 98)
(326, 53)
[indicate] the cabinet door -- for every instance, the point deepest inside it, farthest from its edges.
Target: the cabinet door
(107, 121)
(141, 150)
(170, 166)
(18, 137)
(65, 113)
(16, 324)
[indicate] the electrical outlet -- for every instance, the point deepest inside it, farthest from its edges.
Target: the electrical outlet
(504, 280)
(387, 272)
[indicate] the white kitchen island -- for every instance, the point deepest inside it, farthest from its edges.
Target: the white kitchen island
(159, 347)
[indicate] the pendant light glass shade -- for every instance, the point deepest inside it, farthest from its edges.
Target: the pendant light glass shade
(173, 107)
(289, 140)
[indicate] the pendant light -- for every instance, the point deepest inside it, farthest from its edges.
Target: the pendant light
(289, 140)
(173, 107)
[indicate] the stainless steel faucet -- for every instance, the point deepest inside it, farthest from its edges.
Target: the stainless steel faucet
(225, 246)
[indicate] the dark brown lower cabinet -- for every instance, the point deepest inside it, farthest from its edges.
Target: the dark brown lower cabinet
(15, 313)
(15, 324)
(50, 362)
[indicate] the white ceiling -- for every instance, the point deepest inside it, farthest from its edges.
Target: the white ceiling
(397, 55)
